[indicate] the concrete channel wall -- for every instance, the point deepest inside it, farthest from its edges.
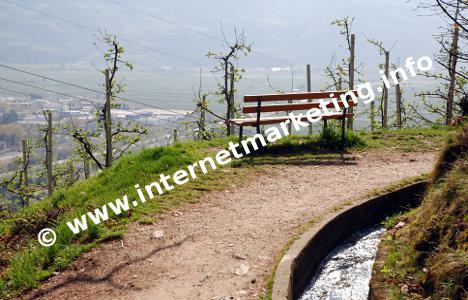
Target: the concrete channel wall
(300, 262)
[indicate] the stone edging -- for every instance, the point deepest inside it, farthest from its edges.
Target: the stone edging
(295, 269)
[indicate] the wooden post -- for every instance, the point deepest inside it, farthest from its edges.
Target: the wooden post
(351, 77)
(25, 161)
(86, 167)
(289, 101)
(201, 130)
(228, 97)
(175, 136)
(385, 100)
(398, 101)
(70, 173)
(372, 116)
(309, 89)
(49, 153)
(231, 100)
(108, 121)
(25, 169)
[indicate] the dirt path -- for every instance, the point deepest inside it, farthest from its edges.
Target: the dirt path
(224, 246)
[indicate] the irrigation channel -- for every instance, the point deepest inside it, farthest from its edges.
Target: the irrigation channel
(333, 259)
(346, 272)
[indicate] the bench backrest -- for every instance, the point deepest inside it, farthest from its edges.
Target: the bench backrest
(260, 107)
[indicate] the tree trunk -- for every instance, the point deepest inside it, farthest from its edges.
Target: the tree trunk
(49, 153)
(231, 100)
(453, 59)
(309, 89)
(108, 121)
(351, 78)
(385, 95)
(24, 201)
(398, 101)
(86, 167)
(202, 129)
(226, 97)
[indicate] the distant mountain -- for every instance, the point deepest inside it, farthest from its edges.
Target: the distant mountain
(296, 32)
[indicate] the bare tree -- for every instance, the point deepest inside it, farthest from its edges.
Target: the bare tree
(335, 73)
(452, 59)
(383, 105)
(342, 69)
(201, 109)
(16, 184)
(346, 70)
(447, 8)
(231, 73)
(119, 136)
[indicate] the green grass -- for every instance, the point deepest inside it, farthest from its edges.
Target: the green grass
(2, 287)
(32, 263)
(394, 186)
(411, 139)
(323, 148)
(23, 263)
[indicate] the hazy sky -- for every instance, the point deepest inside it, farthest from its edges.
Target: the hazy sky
(291, 32)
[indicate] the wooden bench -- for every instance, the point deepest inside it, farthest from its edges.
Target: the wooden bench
(309, 100)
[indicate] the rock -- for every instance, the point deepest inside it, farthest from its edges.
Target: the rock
(238, 256)
(253, 281)
(158, 234)
(176, 213)
(242, 293)
(206, 277)
(242, 270)
(400, 225)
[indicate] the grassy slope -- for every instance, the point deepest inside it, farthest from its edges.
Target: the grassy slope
(429, 256)
(23, 264)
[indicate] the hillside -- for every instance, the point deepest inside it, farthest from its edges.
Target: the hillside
(428, 257)
(24, 264)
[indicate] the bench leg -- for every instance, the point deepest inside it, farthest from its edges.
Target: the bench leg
(343, 134)
(241, 129)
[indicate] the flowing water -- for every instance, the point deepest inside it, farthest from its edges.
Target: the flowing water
(345, 273)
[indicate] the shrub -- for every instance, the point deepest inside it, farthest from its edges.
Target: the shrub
(330, 138)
